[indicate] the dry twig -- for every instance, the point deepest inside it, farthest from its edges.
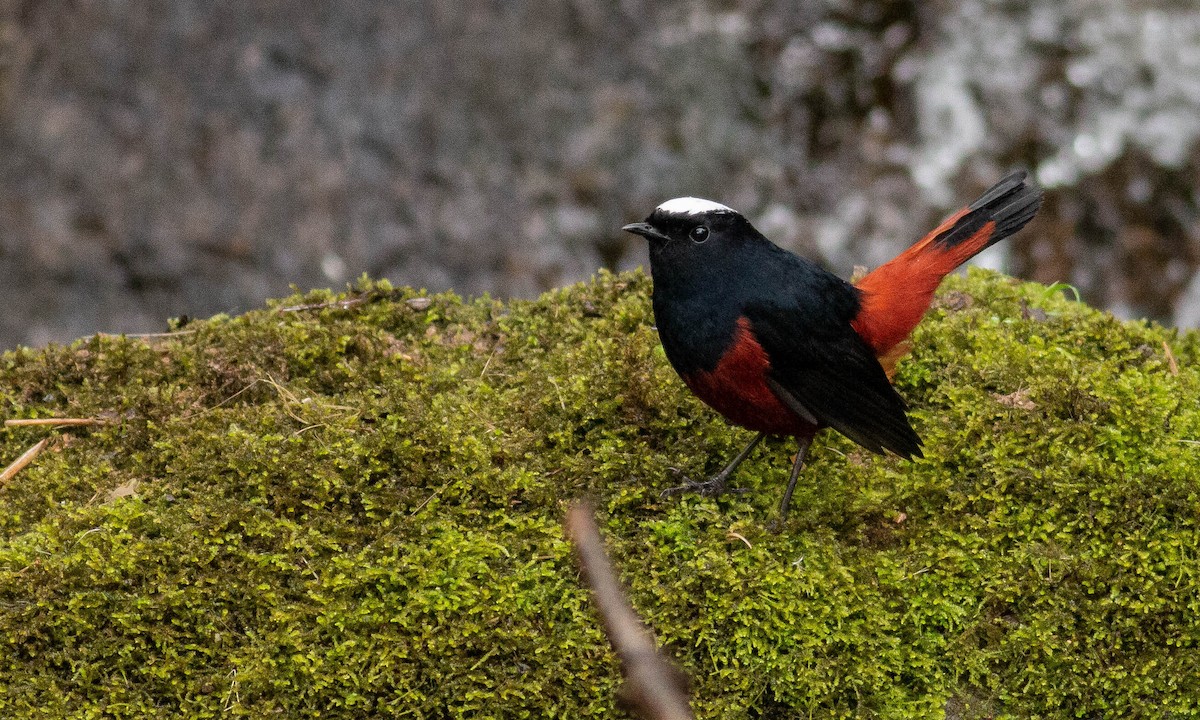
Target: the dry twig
(345, 304)
(654, 689)
(145, 336)
(19, 464)
(28, 456)
(55, 422)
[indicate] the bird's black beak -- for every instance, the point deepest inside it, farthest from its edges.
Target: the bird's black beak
(646, 230)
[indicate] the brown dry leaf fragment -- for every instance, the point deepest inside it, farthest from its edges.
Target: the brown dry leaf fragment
(463, 337)
(738, 536)
(1172, 365)
(1028, 312)
(125, 489)
(1019, 400)
(954, 300)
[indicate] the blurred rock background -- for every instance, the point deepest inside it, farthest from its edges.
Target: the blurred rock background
(167, 157)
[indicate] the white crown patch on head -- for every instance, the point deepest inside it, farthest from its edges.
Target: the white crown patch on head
(692, 206)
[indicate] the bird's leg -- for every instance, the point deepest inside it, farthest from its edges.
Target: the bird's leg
(715, 485)
(805, 443)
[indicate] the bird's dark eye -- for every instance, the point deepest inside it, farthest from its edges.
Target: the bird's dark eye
(699, 234)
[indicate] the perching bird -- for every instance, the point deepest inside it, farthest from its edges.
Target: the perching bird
(778, 345)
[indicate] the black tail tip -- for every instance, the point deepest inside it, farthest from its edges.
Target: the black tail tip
(1010, 204)
(1012, 182)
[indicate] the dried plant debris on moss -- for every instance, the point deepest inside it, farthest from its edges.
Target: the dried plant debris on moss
(352, 510)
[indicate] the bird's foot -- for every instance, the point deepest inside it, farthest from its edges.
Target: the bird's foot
(715, 485)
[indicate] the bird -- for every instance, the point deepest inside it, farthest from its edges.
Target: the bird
(781, 346)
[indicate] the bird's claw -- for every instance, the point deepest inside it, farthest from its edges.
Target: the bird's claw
(711, 487)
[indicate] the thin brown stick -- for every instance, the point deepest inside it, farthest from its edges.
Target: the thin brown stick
(654, 689)
(146, 335)
(341, 304)
(55, 422)
(19, 464)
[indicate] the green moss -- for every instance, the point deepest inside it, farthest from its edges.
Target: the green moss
(352, 510)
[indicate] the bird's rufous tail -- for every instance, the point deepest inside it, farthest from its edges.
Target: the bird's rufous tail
(896, 295)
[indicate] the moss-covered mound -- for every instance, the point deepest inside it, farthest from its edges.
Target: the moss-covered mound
(352, 510)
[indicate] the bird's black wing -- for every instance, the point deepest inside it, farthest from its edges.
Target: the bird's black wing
(822, 369)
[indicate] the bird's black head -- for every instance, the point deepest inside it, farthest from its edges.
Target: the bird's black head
(692, 230)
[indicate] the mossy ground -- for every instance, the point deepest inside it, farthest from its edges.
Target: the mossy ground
(354, 512)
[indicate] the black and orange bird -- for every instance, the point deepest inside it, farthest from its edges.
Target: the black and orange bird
(779, 345)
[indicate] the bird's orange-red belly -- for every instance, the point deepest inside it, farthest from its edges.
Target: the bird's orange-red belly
(737, 388)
